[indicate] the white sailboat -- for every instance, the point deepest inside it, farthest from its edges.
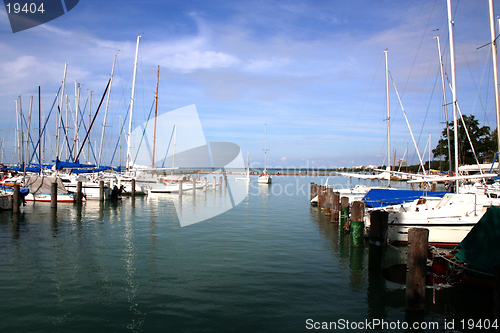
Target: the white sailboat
(450, 219)
(247, 175)
(264, 177)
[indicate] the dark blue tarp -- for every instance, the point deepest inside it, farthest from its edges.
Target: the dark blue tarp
(480, 249)
(67, 165)
(386, 197)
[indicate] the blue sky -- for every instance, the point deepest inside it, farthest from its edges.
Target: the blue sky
(313, 71)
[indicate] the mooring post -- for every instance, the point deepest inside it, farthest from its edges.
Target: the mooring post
(418, 239)
(133, 188)
(335, 207)
(329, 201)
(357, 223)
(378, 239)
(321, 195)
(79, 195)
(220, 181)
(344, 213)
(101, 190)
(16, 198)
(314, 191)
(214, 183)
(53, 195)
(194, 184)
(205, 184)
(225, 181)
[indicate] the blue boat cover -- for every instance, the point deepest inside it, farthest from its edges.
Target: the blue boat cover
(386, 197)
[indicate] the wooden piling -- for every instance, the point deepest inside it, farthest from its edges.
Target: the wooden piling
(16, 199)
(321, 195)
(205, 184)
(329, 201)
(344, 213)
(378, 239)
(180, 188)
(357, 223)
(225, 181)
(101, 190)
(53, 195)
(133, 188)
(194, 185)
(418, 239)
(335, 207)
(314, 191)
(214, 183)
(79, 195)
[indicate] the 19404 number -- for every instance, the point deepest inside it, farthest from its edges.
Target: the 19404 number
(32, 8)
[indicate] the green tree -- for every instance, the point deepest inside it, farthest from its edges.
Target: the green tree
(483, 140)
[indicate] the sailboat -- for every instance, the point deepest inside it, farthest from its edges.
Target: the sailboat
(247, 175)
(264, 177)
(451, 218)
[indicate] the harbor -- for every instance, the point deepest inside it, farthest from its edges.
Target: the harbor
(253, 166)
(130, 266)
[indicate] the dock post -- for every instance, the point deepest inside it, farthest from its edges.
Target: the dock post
(225, 181)
(314, 191)
(418, 239)
(335, 207)
(194, 185)
(321, 195)
(220, 181)
(378, 239)
(132, 192)
(101, 190)
(79, 192)
(329, 201)
(16, 196)
(180, 188)
(344, 213)
(214, 183)
(205, 184)
(357, 223)
(53, 195)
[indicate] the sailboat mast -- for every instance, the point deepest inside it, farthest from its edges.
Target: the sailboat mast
(40, 129)
(175, 146)
(58, 120)
(156, 115)
(265, 149)
(388, 116)
(18, 144)
(495, 68)
(29, 130)
(129, 138)
(454, 90)
(106, 111)
(90, 120)
(120, 141)
(445, 103)
(21, 148)
(77, 107)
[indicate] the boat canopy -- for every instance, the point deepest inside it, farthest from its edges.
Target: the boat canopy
(387, 197)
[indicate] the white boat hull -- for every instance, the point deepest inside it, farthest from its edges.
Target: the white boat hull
(266, 179)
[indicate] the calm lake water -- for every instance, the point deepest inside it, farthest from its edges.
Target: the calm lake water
(271, 264)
